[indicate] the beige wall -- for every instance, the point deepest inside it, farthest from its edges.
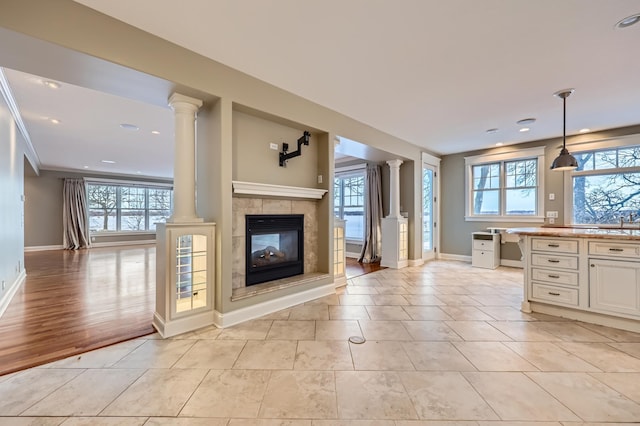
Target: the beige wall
(254, 161)
(43, 209)
(456, 232)
(12, 148)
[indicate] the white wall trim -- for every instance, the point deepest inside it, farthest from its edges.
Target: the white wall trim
(13, 289)
(352, 255)
(511, 263)
(182, 325)
(416, 262)
(340, 281)
(7, 94)
(122, 243)
(43, 248)
(253, 188)
(458, 257)
(228, 319)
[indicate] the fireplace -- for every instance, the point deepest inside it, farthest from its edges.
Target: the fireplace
(274, 247)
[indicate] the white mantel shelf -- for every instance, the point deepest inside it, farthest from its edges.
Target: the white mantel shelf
(265, 189)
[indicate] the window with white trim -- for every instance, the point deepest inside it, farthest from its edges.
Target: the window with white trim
(127, 207)
(606, 186)
(506, 186)
(348, 202)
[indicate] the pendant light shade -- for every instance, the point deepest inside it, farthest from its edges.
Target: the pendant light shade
(564, 161)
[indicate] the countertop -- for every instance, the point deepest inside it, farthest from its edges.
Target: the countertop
(601, 233)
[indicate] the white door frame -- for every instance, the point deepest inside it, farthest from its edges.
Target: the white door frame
(429, 161)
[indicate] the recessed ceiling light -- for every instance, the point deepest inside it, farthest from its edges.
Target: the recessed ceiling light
(85, 167)
(494, 130)
(51, 84)
(108, 161)
(526, 121)
(139, 172)
(128, 126)
(499, 144)
(628, 21)
(585, 130)
(524, 129)
(54, 120)
(155, 132)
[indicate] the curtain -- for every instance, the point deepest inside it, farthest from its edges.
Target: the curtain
(372, 215)
(74, 215)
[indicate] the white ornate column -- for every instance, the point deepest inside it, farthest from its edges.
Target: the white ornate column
(185, 109)
(395, 243)
(394, 187)
(185, 245)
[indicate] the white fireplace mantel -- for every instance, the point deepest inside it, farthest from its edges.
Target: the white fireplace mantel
(265, 189)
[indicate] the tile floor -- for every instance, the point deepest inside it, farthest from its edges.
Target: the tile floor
(445, 345)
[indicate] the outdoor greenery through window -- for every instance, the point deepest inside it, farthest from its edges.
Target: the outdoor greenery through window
(348, 203)
(116, 207)
(509, 187)
(606, 185)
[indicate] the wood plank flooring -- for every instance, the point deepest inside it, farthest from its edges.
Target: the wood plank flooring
(355, 269)
(76, 301)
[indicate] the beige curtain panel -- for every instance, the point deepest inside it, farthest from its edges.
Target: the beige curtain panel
(372, 247)
(74, 215)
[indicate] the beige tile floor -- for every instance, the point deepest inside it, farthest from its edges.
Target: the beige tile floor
(445, 345)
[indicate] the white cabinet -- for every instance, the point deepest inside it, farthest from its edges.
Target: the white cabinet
(395, 242)
(486, 250)
(553, 271)
(614, 286)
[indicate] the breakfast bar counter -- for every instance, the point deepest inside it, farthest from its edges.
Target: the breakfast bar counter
(584, 273)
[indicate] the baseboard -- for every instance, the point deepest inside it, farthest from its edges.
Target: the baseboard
(43, 248)
(511, 263)
(416, 262)
(458, 257)
(352, 255)
(123, 243)
(627, 324)
(13, 289)
(181, 325)
(228, 319)
(339, 281)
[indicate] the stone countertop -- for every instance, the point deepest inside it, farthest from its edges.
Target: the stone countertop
(577, 232)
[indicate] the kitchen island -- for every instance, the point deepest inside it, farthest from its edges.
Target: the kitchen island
(587, 274)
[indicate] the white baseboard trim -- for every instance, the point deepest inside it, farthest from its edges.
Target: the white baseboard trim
(458, 257)
(43, 248)
(586, 316)
(340, 281)
(511, 263)
(13, 289)
(352, 255)
(122, 243)
(416, 262)
(181, 325)
(228, 319)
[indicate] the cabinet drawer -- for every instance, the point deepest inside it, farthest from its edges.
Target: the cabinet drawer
(483, 245)
(605, 248)
(555, 276)
(565, 296)
(554, 245)
(484, 259)
(554, 261)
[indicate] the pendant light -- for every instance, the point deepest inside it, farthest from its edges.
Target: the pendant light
(564, 161)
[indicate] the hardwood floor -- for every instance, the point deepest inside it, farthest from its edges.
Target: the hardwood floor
(355, 269)
(75, 301)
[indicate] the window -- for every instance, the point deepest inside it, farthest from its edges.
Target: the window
(348, 202)
(121, 207)
(606, 185)
(506, 186)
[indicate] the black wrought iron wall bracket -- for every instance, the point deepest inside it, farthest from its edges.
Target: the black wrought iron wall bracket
(284, 155)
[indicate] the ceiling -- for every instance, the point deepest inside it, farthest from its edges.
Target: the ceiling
(436, 73)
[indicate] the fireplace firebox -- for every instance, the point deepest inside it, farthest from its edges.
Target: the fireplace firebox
(274, 247)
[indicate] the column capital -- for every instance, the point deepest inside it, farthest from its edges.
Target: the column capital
(179, 100)
(394, 163)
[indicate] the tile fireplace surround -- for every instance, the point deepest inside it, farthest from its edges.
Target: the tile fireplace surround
(254, 205)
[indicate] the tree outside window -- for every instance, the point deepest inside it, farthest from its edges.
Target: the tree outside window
(126, 208)
(606, 185)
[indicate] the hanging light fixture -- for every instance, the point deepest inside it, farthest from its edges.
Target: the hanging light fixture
(564, 161)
